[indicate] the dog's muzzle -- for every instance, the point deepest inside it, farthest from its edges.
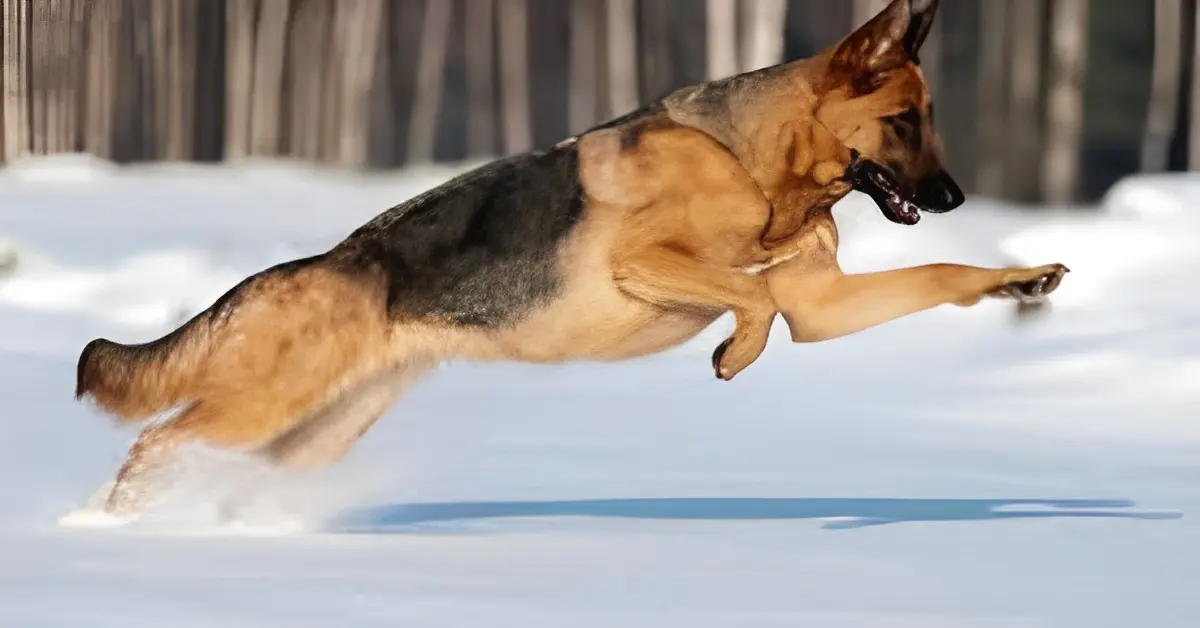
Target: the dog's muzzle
(899, 203)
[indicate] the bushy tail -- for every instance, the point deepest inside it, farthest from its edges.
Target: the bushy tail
(135, 382)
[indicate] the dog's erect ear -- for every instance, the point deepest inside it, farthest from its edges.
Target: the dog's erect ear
(889, 40)
(878, 45)
(920, 21)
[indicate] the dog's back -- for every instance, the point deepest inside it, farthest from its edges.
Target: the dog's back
(477, 251)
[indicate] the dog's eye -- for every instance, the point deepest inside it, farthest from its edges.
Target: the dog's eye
(906, 126)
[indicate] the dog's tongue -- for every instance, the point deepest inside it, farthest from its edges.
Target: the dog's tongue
(903, 209)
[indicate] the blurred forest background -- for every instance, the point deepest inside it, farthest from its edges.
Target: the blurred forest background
(1038, 100)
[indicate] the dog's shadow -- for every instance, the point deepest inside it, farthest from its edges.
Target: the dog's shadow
(841, 513)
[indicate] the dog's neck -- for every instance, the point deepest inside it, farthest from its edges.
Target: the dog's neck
(778, 127)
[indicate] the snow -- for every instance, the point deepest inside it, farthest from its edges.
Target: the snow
(957, 468)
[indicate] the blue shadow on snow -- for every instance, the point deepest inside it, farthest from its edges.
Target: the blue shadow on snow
(848, 513)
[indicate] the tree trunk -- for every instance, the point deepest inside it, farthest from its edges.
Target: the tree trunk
(40, 72)
(1194, 117)
(51, 24)
(1024, 129)
(266, 92)
(1064, 123)
(16, 79)
(722, 39)
(148, 107)
(361, 24)
(481, 77)
(762, 33)
(582, 96)
(308, 58)
(208, 87)
(621, 30)
(993, 52)
(173, 46)
(59, 81)
(100, 61)
(431, 70)
(514, 72)
(1164, 91)
(239, 76)
(71, 111)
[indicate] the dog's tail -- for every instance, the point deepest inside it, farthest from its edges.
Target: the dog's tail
(134, 382)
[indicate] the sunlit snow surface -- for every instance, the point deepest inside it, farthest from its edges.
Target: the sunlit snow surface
(958, 468)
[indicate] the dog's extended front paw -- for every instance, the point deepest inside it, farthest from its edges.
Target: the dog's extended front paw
(1031, 284)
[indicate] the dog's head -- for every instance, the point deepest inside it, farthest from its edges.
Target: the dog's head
(874, 99)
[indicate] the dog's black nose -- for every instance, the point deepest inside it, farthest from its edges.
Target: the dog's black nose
(939, 193)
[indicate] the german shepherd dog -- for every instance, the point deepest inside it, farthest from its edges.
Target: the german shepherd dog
(624, 241)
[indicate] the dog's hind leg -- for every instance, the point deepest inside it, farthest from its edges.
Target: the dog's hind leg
(314, 440)
(324, 437)
(294, 342)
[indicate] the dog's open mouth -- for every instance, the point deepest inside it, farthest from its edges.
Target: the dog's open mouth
(875, 181)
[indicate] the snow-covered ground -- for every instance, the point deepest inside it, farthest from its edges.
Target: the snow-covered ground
(958, 468)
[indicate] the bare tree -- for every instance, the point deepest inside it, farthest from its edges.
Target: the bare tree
(622, 62)
(514, 72)
(722, 38)
(16, 79)
(762, 33)
(584, 66)
(40, 60)
(266, 94)
(60, 84)
(655, 63)
(1194, 140)
(100, 62)
(239, 73)
(173, 62)
(1024, 128)
(208, 106)
(1164, 91)
(481, 77)
(1068, 57)
(70, 114)
(308, 56)
(993, 54)
(435, 35)
(357, 27)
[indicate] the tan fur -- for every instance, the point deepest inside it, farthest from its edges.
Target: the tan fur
(690, 213)
(294, 346)
(733, 213)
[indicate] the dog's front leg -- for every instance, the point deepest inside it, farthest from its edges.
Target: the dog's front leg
(667, 276)
(822, 304)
